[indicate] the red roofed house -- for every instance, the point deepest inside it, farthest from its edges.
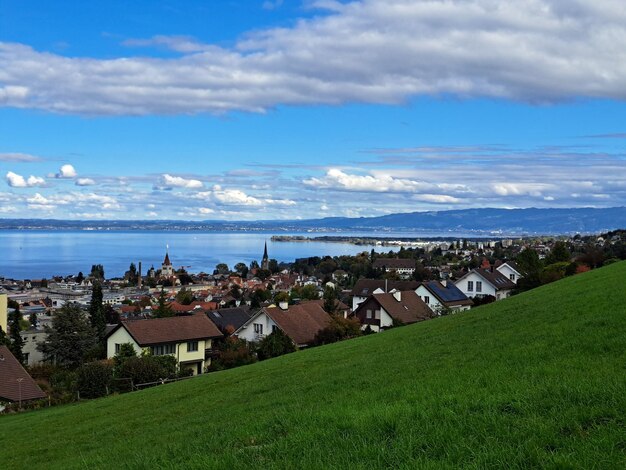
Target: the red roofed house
(300, 322)
(16, 384)
(381, 311)
(187, 338)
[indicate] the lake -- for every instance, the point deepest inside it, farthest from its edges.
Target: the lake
(31, 254)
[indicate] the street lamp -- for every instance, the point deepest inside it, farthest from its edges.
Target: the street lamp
(19, 384)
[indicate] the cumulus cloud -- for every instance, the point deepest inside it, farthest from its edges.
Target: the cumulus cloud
(169, 182)
(236, 197)
(337, 179)
(67, 171)
(374, 51)
(18, 158)
(85, 182)
(18, 181)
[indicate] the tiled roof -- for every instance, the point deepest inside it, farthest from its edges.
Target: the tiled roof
(234, 317)
(300, 322)
(10, 371)
(340, 305)
(394, 263)
(496, 279)
(172, 329)
(365, 287)
(409, 309)
(193, 306)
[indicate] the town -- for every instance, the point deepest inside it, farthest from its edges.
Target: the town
(84, 336)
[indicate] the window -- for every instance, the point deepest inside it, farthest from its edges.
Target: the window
(368, 314)
(163, 349)
(192, 346)
(25, 358)
(512, 277)
(376, 314)
(274, 328)
(117, 348)
(470, 286)
(479, 286)
(426, 299)
(258, 328)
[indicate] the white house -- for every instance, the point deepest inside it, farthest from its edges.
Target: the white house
(187, 338)
(481, 283)
(366, 287)
(382, 311)
(510, 270)
(443, 295)
(403, 267)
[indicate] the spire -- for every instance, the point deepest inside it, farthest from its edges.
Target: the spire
(166, 261)
(265, 251)
(265, 262)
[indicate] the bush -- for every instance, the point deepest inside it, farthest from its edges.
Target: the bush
(94, 379)
(339, 328)
(275, 344)
(232, 352)
(147, 369)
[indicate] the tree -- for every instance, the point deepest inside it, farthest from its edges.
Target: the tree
(70, 337)
(17, 342)
(559, 254)
(80, 278)
(275, 344)
(339, 328)
(126, 350)
(309, 292)
(530, 265)
(96, 312)
(32, 318)
(97, 271)
(184, 296)
(272, 266)
(163, 310)
(221, 268)
(94, 379)
(330, 300)
(4, 340)
(131, 274)
(110, 315)
(241, 269)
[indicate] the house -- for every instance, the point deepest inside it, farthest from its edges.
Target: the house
(187, 338)
(16, 385)
(403, 267)
(340, 308)
(300, 322)
(229, 320)
(481, 283)
(510, 270)
(366, 287)
(382, 311)
(32, 337)
(443, 295)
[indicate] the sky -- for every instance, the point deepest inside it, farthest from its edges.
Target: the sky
(253, 109)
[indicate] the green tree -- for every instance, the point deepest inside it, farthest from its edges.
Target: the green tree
(163, 310)
(275, 344)
(330, 299)
(530, 265)
(184, 296)
(96, 312)
(70, 337)
(309, 292)
(15, 327)
(339, 328)
(94, 379)
(559, 254)
(132, 275)
(80, 278)
(97, 271)
(241, 269)
(32, 319)
(221, 268)
(4, 340)
(126, 350)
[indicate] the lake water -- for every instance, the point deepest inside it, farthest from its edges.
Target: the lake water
(29, 254)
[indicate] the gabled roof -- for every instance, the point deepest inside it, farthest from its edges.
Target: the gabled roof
(300, 322)
(513, 265)
(496, 279)
(192, 307)
(366, 287)
(409, 309)
(10, 371)
(394, 263)
(340, 305)
(171, 329)
(448, 295)
(234, 317)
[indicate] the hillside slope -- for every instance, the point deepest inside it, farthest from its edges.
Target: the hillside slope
(535, 380)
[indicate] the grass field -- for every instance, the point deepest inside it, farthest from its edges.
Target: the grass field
(538, 380)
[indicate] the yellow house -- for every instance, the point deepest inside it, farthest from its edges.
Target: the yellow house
(3, 311)
(187, 338)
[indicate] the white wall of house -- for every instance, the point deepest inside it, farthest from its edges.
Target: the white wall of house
(31, 340)
(357, 300)
(470, 287)
(120, 337)
(264, 326)
(509, 272)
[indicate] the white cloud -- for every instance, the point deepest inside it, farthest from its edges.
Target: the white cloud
(339, 180)
(18, 181)
(67, 171)
(205, 210)
(236, 197)
(84, 182)
(375, 51)
(519, 189)
(18, 157)
(437, 198)
(168, 182)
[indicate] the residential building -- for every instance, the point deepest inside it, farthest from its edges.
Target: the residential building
(16, 385)
(4, 312)
(511, 270)
(482, 282)
(403, 267)
(187, 338)
(366, 287)
(382, 311)
(32, 337)
(444, 295)
(228, 320)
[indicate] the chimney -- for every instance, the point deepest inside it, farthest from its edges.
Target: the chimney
(139, 276)
(397, 295)
(283, 305)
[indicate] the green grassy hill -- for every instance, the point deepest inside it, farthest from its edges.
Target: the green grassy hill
(538, 380)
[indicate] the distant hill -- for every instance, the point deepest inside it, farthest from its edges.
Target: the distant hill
(533, 381)
(478, 221)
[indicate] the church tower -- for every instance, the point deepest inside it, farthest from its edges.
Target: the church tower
(167, 270)
(265, 262)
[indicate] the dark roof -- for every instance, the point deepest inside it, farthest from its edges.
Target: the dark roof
(394, 263)
(234, 317)
(166, 261)
(496, 279)
(409, 309)
(448, 294)
(513, 265)
(171, 329)
(300, 322)
(10, 371)
(365, 287)
(340, 305)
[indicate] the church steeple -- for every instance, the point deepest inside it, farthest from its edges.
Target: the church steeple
(265, 262)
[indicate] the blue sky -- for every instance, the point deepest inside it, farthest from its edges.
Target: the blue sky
(298, 109)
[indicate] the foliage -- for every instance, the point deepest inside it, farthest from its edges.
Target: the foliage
(530, 266)
(330, 300)
(184, 296)
(275, 344)
(231, 352)
(484, 300)
(15, 327)
(306, 292)
(110, 315)
(96, 311)
(259, 296)
(554, 272)
(338, 329)
(94, 379)
(559, 254)
(32, 319)
(281, 297)
(97, 272)
(126, 350)
(163, 310)
(70, 337)
(221, 268)
(148, 368)
(4, 339)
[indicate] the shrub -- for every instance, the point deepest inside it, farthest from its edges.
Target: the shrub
(339, 328)
(275, 344)
(232, 352)
(147, 369)
(94, 379)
